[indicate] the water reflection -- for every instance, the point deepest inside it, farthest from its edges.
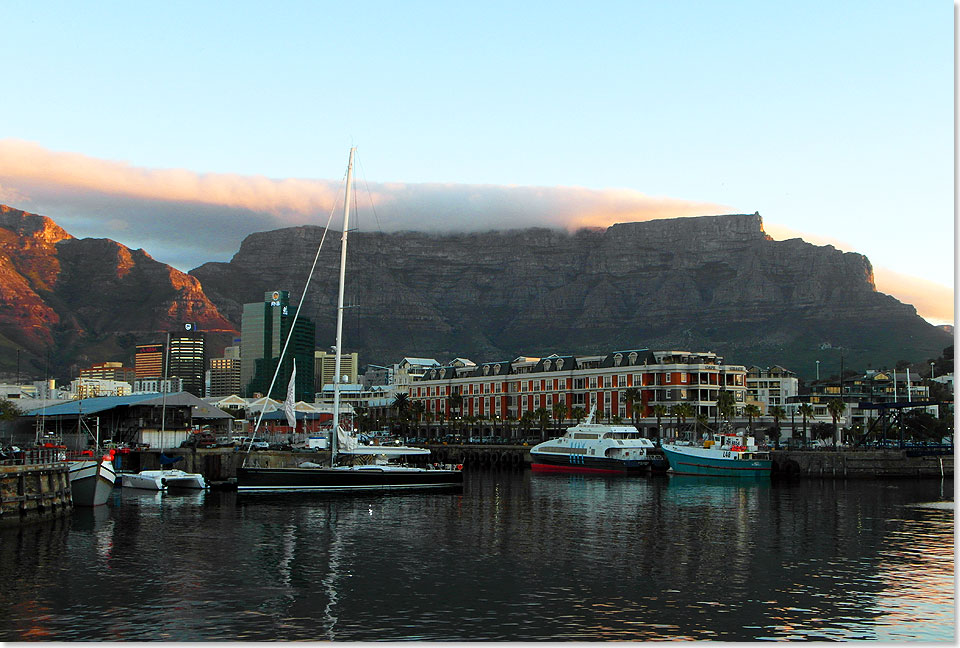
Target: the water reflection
(515, 557)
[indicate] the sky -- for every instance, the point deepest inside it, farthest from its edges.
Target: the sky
(182, 127)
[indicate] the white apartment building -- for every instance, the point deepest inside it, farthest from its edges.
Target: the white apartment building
(771, 387)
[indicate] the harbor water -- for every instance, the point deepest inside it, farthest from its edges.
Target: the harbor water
(516, 556)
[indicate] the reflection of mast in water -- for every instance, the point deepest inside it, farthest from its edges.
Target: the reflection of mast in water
(336, 548)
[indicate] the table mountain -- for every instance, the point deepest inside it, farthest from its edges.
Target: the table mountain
(716, 283)
(86, 300)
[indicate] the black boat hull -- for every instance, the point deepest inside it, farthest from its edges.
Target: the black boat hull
(252, 480)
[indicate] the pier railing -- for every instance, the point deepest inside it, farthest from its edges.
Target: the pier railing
(33, 457)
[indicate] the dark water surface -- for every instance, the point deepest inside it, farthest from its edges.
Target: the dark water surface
(517, 556)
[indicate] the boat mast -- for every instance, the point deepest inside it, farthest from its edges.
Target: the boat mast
(343, 274)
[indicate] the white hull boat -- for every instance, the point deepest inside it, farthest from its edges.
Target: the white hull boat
(163, 479)
(91, 480)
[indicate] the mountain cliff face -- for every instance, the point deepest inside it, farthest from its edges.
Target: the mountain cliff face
(86, 300)
(714, 283)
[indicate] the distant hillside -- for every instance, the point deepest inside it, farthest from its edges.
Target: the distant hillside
(713, 283)
(86, 300)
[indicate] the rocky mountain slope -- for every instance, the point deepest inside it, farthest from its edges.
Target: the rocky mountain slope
(86, 300)
(709, 283)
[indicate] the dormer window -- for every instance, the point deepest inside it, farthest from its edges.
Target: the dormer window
(496, 369)
(559, 364)
(486, 370)
(632, 357)
(617, 359)
(546, 365)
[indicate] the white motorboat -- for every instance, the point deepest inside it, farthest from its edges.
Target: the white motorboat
(91, 479)
(163, 479)
(598, 448)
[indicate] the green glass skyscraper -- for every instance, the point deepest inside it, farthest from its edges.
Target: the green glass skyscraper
(263, 330)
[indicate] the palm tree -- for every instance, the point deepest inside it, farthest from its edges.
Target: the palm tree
(455, 402)
(401, 402)
(559, 413)
(726, 404)
(578, 413)
(417, 408)
(806, 410)
(751, 411)
(631, 394)
(684, 411)
(543, 418)
(659, 410)
(836, 407)
(637, 411)
(778, 414)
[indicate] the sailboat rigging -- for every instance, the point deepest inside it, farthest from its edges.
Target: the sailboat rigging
(353, 467)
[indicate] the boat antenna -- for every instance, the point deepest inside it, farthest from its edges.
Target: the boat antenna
(293, 324)
(343, 273)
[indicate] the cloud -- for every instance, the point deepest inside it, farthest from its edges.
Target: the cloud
(186, 218)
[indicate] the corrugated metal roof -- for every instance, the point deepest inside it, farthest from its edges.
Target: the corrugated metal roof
(199, 409)
(91, 405)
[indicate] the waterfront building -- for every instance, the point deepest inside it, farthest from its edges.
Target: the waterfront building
(377, 375)
(857, 392)
(157, 385)
(91, 387)
(506, 390)
(186, 357)
(110, 371)
(770, 387)
(148, 361)
(325, 364)
(223, 378)
(354, 394)
(408, 370)
(263, 331)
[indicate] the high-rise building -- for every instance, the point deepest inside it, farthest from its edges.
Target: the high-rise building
(325, 363)
(148, 362)
(263, 330)
(225, 373)
(110, 371)
(186, 358)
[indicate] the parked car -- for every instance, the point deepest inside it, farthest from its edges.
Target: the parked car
(256, 444)
(199, 440)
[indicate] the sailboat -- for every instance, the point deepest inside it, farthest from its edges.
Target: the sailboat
(353, 467)
(165, 477)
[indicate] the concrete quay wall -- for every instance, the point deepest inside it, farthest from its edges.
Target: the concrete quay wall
(34, 492)
(219, 465)
(867, 464)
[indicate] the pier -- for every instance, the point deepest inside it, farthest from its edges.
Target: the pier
(37, 489)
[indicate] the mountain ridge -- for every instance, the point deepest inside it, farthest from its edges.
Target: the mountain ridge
(710, 283)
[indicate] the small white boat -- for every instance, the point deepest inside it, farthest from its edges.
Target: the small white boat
(163, 479)
(91, 479)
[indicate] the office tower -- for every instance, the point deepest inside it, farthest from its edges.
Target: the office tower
(263, 330)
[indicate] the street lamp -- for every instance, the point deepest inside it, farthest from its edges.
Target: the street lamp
(818, 370)
(931, 370)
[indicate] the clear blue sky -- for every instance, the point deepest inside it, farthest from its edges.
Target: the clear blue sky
(831, 118)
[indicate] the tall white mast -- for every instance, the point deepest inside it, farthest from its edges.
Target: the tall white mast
(343, 274)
